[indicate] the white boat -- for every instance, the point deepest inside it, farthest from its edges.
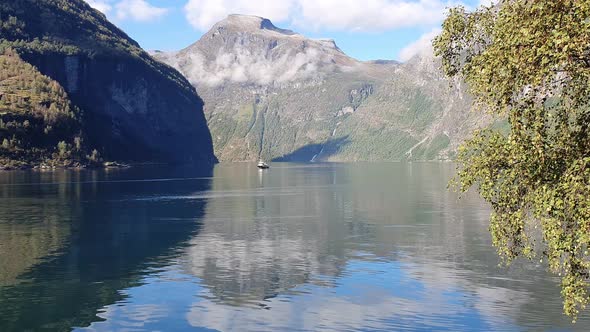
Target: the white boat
(262, 165)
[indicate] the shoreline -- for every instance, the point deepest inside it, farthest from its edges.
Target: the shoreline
(45, 167)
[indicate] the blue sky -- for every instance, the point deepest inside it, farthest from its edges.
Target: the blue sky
(366, 30)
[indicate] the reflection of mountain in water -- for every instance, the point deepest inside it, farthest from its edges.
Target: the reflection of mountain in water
(268, 234)
(297, 247)
(270, 238)
(109, 230)
(43, 228)
(264, 236)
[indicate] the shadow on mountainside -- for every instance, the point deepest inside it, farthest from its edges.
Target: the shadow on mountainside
(319, 151)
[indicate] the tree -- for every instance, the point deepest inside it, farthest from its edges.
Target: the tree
(63, 149)
(95, 157)
(78, 143)
(529, 61)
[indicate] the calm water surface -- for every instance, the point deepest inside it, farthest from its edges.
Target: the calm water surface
(355, 247)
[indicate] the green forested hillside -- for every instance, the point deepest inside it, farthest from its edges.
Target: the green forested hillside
(112, 95)
(69, 27)
(60, 25)
(38, 123)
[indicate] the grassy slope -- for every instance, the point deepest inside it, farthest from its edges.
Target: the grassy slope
(412, 114)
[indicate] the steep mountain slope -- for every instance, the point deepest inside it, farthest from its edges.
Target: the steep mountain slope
(415, 114)
(38, 124)
(275, 94)
(132, 108)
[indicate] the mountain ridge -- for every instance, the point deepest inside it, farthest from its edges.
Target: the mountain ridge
(287, 97)
(134, 108)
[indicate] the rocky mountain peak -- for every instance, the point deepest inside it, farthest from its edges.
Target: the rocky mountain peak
(256, 31)
(251, 50)
(250, 24)
(276, 94)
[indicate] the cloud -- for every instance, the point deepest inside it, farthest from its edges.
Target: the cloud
(202, 14)
(240, 65)
(121, 10)
(100, 5)
(422, 46)
(369, 15)
(342, 15)
(138, 10)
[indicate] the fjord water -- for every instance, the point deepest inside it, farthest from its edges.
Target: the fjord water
(300, 247)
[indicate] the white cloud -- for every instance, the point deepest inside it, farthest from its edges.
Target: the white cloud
(138, 10)
(242, 65)
(100, 5)
(121, 10)
(422, 46)
(369, 15)
(202, 14)
(346, 15)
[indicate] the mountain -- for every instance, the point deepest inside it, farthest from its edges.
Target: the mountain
(113, 97)
(273, 93)
(38, 123)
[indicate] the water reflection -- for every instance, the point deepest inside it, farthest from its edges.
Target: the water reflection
(297, 247)
(357, 247)
(86, 237)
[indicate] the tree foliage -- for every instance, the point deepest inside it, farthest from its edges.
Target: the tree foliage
(38, 123)
(71, 27)
(529, 61)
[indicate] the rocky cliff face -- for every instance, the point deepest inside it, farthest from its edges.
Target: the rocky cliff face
(275, 94)
(133, 107)
(132, 112)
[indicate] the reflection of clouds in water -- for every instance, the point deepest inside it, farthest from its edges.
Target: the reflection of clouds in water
(359, 301)
(470, 289)
(129, 316)
(248, 271)
(160, 303)
(305, 291)
(368, 295)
